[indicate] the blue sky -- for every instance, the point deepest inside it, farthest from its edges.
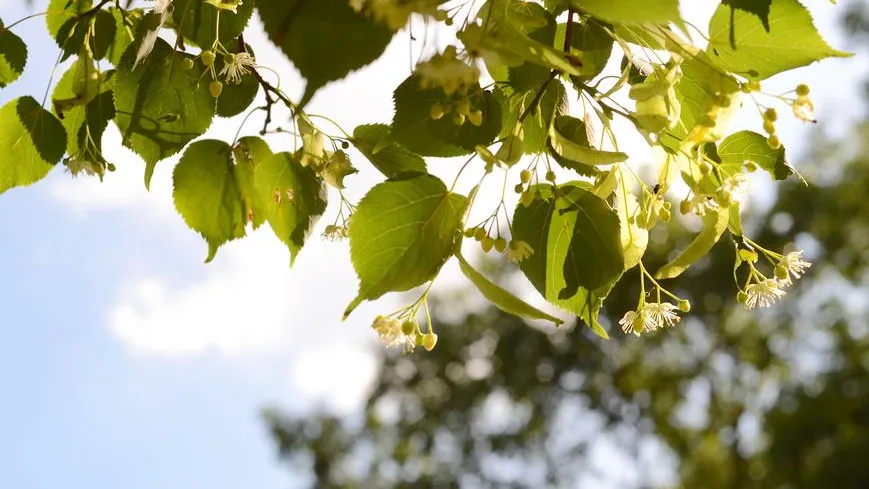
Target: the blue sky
(126, 362)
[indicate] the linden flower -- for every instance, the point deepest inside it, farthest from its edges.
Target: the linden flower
(795, 266)
(390, 334)
(447, 71)
(763, 294)
(660, 315)
(334, 232)
(634, 322)
(700, 204)
(519, 250)
(735, 186)
(77, 166)
(239, 65)
(161, 8)
(804, 109)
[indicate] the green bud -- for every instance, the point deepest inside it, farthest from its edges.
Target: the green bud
(216, 88)
(748, 255)
(802, 90)
(479, 234)
(781, 272)
(437, 111)
(429, 340)
(487, 243)
(408, 327)
(774, 142)
(187, 64)
(550, 176)
(208, 58)
(525, 176)
(664, 215)
(684, 305)
(500, 245)
(742, 297)
(770, 115)
(518, 188)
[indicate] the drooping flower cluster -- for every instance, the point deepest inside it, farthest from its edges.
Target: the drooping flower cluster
(393, 331)
(390, 333)
(447, 71)
(650, 316)
(763, 291)
(236, 66)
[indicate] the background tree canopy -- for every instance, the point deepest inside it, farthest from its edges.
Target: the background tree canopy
(725, 400)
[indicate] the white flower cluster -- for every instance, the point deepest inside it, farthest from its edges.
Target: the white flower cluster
(447, 71)
(649, 317)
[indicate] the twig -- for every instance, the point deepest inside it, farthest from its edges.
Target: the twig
(269, 90)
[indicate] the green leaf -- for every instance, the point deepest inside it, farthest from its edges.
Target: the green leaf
(325, 39)
(402, 233)
(31, 143)
(500, 297)
(160, 106)
(207, 193)
(591, 43)
(414, 128)
(295, 198)
(65, 26)
(568, 141)
(700, 82)
(84, 115)
(759, 8)
(739, 42)
(750, 146)
(631, 11)
(539, 25)
(576, 243)
(197, 21)
(236, 97)
(249, 152)
(13, 56)
(126, 25)
(392, 159)
(536, 125)
(714, 224)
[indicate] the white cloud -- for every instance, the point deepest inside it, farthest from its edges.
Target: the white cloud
(337, 375)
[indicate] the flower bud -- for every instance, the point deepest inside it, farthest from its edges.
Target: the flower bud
(781, 272)
(500, 245)
(437, 111)
(487, 243)
(742, 297)
(684, 305)
(479, 234)
(525, 176)
(774, 142)
(770, 115)
(207, 58)
(429, 340)
(408, 327)
(802, 90)
(216, 88)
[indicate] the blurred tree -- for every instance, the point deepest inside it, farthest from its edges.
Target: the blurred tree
(726, 399)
